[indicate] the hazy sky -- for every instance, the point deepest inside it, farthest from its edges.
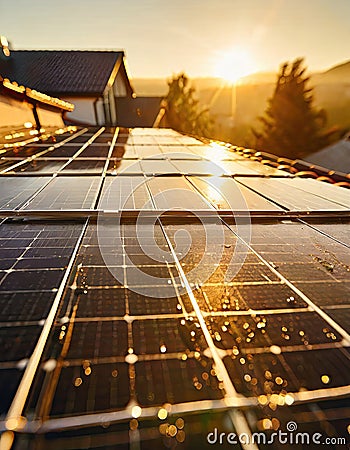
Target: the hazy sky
(162, 37)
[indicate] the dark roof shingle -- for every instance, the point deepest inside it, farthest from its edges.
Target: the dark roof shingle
(61, 72)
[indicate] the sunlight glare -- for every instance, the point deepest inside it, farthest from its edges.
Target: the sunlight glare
(234, 64)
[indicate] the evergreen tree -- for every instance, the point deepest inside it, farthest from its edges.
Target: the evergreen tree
(183, 110)
(291, 126)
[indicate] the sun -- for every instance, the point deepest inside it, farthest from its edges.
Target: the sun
(234, 64)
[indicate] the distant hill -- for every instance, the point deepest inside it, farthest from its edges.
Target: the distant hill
(150, 86)
(340, 71)
(248, 99)
(159, 87)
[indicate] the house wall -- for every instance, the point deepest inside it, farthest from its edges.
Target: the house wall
(83, 111)
(50, 118)
(119, 86)
(14, 112)
(137, 112)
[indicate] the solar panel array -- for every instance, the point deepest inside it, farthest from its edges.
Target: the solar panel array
(154, 288)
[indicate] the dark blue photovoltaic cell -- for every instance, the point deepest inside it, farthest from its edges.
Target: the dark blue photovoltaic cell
(66, 193)
(16, 191)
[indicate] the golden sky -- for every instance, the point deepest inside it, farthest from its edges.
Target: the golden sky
(162, 37)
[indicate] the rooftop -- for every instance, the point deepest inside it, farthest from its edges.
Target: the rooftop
(335, 156)
(58, 72)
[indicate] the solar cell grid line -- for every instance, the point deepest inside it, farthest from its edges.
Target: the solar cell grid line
(66, 151)
(292, 286)
(173, 152)
(92, 241)
(17, 406)
(96, 150)
(330, 231)
(105, 168)
(82, 166)
(300, 330)
(24, 310)
(226, 193)
(184, 139)
(150, 167)
(24, 205)
(175, 192)
(326, 191)
(124, 167)
(214, 152)
(141, 140)
(7, 162)
(287, 196)
(41, 166)
(65, 193)
(83, 147)
(340, 390)
(149, 151)
(44, 152)
(125, 192)
(124, 151)
(234, 168)
(338, 231)
(239, 420)
(139, 131)
(167, 140)
(262, 169)
(17, 190)
(202, 167)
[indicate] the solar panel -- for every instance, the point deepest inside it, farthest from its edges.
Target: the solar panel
(27, 151)
(175, 193)
(86, 166)
(95, 151)
(165, 327)
(226, 193)
(28, 289)
(123, 166)
(287, 196)
(179, 152)
(341, 316)
(66, 193)
(261, 169)
(124, 151)
(6, 163)
(158, 167)
(88, 393)
(66, 151)
(125, 193)
(16, 191)
(236, 169)
(41, 165)
(198, 167)
(149, 151)
(337, 230)
(325, 191)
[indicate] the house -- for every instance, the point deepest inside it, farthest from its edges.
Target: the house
(91, 80)
(27, 114)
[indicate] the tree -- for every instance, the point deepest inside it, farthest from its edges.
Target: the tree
(291, 126)
(182, 108)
